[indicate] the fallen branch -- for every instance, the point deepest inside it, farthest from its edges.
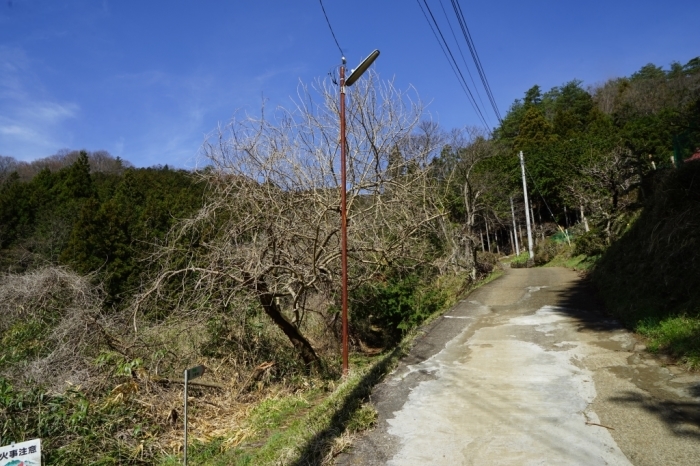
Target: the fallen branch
(599, 425)
(256, 375)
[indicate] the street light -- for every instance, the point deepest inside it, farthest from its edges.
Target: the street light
(354, 76)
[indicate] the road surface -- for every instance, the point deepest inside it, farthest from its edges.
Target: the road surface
(528, 371)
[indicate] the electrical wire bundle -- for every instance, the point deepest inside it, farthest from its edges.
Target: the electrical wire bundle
(455, 64)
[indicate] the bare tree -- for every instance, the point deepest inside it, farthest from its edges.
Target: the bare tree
(605, 184)
(269, 229)
(7, 166)
(458, 165)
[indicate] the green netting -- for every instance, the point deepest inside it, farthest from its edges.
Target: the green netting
(560, 237)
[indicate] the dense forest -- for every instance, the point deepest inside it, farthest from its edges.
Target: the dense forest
(90, 212)
(115, 278)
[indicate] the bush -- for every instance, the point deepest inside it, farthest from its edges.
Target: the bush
(50, 328)
(485, 262)
(549, 249)
(248, 339)
(394, 305)
(591, 243)
(74, 429)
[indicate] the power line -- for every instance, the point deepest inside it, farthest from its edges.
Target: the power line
(453, 63)
(475, 56)
(331, 28)
(471, 78)
(540, 193)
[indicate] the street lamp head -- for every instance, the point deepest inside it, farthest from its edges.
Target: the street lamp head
(357, 72)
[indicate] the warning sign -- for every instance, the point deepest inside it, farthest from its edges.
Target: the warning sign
(21, 454)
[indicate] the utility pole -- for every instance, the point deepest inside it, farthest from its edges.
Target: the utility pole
(344, 83)
(534, 226)
(527, 211)
(515, 234)
(343, 226)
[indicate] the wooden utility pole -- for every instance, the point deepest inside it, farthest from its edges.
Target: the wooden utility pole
(527, 211)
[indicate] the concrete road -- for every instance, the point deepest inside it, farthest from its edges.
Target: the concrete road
(528, 371)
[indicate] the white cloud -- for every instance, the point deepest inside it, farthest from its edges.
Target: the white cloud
(17, 131)
(31, 121)
(48, 112)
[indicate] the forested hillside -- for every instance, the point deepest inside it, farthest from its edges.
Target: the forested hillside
(92, 213)
(115, 278)
(614, 161)
(596, 149)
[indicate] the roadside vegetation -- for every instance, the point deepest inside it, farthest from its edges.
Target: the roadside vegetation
(649, 277)
(114, 279)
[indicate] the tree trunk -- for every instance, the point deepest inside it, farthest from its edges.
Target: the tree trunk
(585, 221)
(534, 226)
(301, 344)
(520, 232)
(488, 239)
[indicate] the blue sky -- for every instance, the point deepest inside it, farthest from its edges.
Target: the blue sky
(147, 80)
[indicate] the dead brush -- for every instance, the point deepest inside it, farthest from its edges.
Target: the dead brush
(247, 359)
(66, 309)
(132, 380)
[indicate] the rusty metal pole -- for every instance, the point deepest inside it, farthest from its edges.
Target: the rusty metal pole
(343, 222)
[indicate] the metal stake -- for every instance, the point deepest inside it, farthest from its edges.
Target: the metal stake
(185, 445)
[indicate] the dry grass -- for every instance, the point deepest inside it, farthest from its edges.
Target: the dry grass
(54, 316)
(132, 380)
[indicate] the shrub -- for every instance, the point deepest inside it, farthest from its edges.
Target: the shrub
(50, 327)
(485, 262)
(394, 305)
(547, 250)
(591, 243)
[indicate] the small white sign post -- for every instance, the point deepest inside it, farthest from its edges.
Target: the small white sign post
(190, 374)
(25, 453)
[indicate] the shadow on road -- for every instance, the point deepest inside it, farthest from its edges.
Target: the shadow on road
(580, 302)
(695, 390)
(679, 416)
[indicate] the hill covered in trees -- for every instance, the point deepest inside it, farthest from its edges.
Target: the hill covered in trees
(91, 212)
